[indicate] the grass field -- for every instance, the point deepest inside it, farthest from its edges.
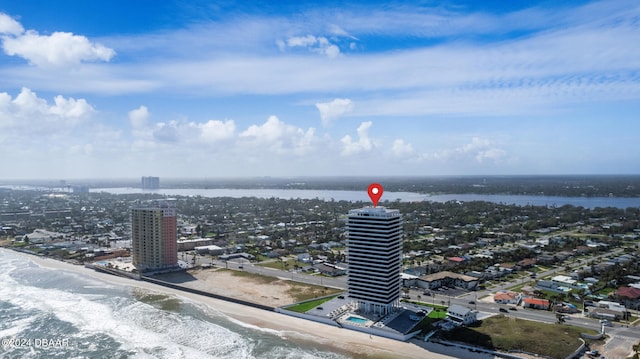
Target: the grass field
(504, 333)
(437, 314)
(306, 306)
(303, 291)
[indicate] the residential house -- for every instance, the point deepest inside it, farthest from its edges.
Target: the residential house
(606, 309)
(526, 263)
(536, 303)
(629, 296)
(304, 257)
(507, 298)
(457, 260)
(330, 269)
(408, 280)
(461, 315)
(605, 313)
(506, 267)
(546, 258)
(448, 279)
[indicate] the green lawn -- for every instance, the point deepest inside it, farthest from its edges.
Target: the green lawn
(437, 314)
(306, 306)
(507, 333)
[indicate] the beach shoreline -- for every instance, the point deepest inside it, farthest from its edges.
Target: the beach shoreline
(347, 342)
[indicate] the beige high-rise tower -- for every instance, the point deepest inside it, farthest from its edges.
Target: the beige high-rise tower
(154, 236)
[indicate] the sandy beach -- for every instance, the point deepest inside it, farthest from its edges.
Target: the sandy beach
(349, 342)
(272, 292)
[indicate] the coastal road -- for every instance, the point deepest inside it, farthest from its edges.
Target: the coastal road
(622, 340)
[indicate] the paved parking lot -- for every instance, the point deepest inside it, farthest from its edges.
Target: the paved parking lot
(436, 296)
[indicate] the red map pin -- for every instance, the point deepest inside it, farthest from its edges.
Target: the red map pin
(375, 192)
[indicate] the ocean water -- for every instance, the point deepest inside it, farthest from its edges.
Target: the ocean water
(47, 313)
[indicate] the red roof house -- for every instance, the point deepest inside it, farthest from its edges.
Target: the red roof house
(536, 303)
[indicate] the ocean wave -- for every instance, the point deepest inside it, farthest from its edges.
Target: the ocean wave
(115, 322)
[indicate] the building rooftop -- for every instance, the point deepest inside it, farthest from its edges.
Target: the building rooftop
(536, 301)
(458, 310)
(628, 292)
(447, 274)
(379, 211)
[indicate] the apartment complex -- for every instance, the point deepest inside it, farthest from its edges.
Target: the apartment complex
(374, 253)
(149, 182)
(154, 235)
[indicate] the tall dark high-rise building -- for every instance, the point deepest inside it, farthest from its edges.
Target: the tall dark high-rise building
(154, 232)
(374, 254)
(149, 182)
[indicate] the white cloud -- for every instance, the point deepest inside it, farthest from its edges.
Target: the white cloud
(401, 149)
(491, 154)
(302, 41)
(277, 136)
(30, 124)
(9, 26)
(479, 150)
(177, 131)
(362, 144)
(171, 131)
(71, 108)
(338, 31)
(139, 117)
(214, 130)
(30, 112)
(319, 44)
(58, 49)
(330, 111)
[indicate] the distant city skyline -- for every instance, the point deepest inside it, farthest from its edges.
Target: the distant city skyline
(203, 89)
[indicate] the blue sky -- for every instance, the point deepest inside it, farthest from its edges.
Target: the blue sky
(217, 89)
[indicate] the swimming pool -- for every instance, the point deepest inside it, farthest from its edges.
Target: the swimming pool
(357, 320)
